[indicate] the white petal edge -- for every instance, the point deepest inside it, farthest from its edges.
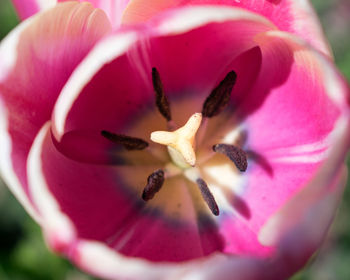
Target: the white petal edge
(46, 4)
(58, 228)
(8, 58)
(100, 55)
(104, 53)
(197, 16)
(303, 9)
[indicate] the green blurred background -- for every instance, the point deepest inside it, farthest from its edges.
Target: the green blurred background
(23, 253)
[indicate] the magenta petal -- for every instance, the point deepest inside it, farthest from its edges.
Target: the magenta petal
(27, 8)
(297, 17)
(294, 117)
(36, 59)
(292, 89)
(68, 219)
(122, 74)
(92, 202)
(270, 222)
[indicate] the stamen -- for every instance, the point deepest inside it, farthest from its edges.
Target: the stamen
(208, 196)
(128, 142)
(235, 154)
(154, 183)
(219, 97)
(161, 99)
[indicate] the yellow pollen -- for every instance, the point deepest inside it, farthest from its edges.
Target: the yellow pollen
(181, 141)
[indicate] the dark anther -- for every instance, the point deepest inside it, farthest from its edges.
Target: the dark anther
(154, 183)
(208, 196)
(220, 96)
(161, 100)
(237, 155)
(129, 143)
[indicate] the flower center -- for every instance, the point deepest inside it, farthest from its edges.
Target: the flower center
(181, 142)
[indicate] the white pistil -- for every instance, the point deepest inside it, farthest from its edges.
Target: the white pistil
(181, 141)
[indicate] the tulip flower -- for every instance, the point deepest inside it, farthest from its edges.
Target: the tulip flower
(174, 139)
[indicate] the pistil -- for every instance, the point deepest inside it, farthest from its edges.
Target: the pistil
(181, 141)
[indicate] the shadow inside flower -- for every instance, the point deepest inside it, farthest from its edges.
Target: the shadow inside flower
(260, 160)
(275, 2)
(241, 206)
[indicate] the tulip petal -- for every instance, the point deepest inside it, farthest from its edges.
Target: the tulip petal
(97, 258)
(288, 15)
(101, 217)
(113, 8)
(126, 68)
(36, 59)
(294, 127)
(27, 8)
(74, 226)
(282, 73)
(103, 207)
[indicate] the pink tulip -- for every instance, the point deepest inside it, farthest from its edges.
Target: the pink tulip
(248, 187)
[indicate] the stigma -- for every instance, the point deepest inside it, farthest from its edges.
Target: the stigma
(181, 142)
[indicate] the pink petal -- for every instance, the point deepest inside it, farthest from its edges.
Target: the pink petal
(66, 234)
(282, 74)
(289, 15)
(36, 59)
(84, 201)
(294, 115)
(127, 67)
(114, 9)
(27, 8)
(100, 220)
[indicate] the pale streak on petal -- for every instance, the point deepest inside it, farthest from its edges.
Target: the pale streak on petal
(319, 187)
(302, 158)
(308, 153)
(304, 148)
